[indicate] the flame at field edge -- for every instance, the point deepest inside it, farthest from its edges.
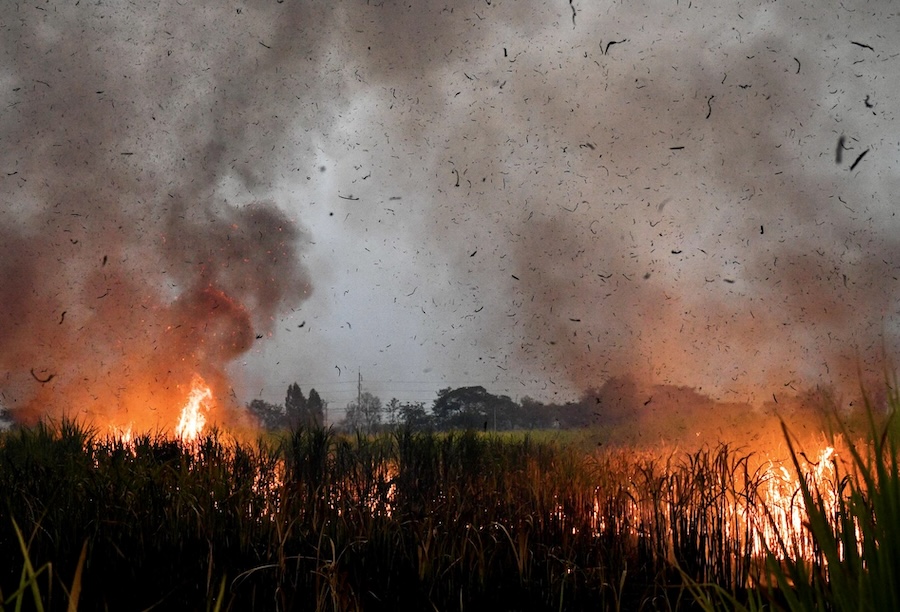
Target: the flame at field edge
(193, 415)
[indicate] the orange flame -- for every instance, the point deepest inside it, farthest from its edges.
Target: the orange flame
(786, 509)
(193, 415)
(122, 434)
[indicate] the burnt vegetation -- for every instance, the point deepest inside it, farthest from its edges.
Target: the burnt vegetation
(319, 520)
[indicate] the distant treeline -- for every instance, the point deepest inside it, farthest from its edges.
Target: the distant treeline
(621, 404)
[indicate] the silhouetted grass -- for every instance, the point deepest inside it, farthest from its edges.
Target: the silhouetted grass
(855, 525)
(415, 521)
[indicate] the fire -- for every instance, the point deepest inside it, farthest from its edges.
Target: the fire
(786, 510)
(193, 415)
(717, 505)
(123, 434)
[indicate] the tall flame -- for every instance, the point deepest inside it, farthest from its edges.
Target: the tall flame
(193, 415)
(786, 510)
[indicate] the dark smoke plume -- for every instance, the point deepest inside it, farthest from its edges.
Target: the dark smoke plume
(139, 243)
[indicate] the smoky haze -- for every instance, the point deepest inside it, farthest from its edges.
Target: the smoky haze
(650, 189)
(133, 254)
(534, 195)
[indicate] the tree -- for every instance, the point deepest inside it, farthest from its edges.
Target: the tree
(315, 407)
(413, 415)
(269, 416)
(302, 411)
(364, 415)
(392, 410)
(295, 407)
(535, 415)
(473, 408)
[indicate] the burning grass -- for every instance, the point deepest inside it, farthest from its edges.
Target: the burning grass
(463, 520)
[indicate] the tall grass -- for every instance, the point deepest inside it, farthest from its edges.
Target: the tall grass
(420, 521)
(855, 524)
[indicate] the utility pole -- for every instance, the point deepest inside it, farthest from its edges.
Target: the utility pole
(359, 408)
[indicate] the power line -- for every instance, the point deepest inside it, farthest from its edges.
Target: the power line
(466, 382)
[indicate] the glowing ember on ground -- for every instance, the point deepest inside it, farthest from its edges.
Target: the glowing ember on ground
(193, 417)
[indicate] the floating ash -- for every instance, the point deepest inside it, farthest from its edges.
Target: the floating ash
(141, 242)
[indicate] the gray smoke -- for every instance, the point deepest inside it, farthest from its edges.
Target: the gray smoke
(140, 244)
(546, 194)
(648, 189)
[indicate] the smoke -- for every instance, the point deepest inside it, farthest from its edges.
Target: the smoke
(648, 190)
(546, 194)
(140, 243)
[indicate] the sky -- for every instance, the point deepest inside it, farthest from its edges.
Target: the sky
(529, 196)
